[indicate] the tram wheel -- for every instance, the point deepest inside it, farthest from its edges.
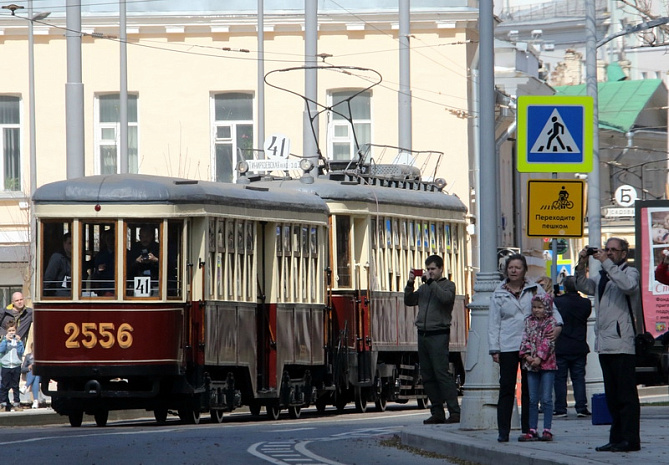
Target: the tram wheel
(422, 402)
(189, 416)
(321, 404)
(216, 415)
(76, 418)
(101, 417)
(294, 412)
(273, 411)
(360, 400)
(160, 414)
(254, 408)
(380, 402)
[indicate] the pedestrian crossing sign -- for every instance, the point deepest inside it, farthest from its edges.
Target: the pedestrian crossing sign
(555, 134)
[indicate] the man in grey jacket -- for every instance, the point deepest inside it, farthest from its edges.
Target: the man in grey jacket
(618, 303)
(435, 299)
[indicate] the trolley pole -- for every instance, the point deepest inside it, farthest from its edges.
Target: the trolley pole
(479, 404)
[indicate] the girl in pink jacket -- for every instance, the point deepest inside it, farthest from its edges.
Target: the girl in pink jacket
(537, 353)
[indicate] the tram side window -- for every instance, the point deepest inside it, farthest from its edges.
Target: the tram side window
(175, 270)
(343, 251)
(98, 268)
(57, 259)
(143, 259)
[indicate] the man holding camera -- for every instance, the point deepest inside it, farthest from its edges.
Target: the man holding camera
(617, 302)
(435, 299)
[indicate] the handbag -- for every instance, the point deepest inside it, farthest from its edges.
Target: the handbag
(642, 341)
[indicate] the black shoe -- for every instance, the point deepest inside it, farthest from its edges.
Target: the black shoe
(434, 421)
(625, 446)
(503, 438)
(583, 413)
(453, 419)
(605, 448)
(560, 415)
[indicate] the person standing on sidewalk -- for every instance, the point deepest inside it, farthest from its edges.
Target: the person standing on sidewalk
(435, 299)
(571, 349)
(510, 304)
(22, 315)
(11, 353)
(617, 302)
(537, 352)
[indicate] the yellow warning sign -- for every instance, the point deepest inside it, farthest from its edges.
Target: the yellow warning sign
(555, 207)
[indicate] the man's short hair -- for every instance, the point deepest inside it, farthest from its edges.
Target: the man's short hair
(569, 283)
(436, 259)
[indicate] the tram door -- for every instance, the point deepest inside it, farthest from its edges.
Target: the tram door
(266, 343)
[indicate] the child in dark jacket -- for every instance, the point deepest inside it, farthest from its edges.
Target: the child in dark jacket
(537, 351)
(11, 354)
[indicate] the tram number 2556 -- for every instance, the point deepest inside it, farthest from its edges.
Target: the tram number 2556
(91, 334)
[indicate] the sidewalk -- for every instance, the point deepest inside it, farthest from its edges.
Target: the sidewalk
(574, 442)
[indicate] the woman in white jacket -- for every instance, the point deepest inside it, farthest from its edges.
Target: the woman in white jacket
(510, 304)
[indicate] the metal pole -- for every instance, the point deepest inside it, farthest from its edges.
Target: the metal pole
(261, 74)
(310, 82)
(74, 94)
(31, 96)
(404, 95)
(479, 404)
(594, 378)
(123, 95)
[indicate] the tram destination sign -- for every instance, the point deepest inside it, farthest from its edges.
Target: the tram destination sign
(555, 207)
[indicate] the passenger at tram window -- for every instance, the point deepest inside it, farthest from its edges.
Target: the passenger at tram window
(143, 255)
(58, 273)
(104, 265)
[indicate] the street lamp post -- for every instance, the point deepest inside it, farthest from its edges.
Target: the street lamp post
(31, 92)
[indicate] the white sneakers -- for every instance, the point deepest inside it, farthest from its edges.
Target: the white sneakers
(35, 403)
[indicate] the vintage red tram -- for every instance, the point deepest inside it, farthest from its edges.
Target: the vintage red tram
(208, 296)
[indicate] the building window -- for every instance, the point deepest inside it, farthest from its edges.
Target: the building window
(233, 133)
(108, 132)
(342, 135)
(10, 143)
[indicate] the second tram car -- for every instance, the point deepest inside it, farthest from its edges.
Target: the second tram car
(170, 294)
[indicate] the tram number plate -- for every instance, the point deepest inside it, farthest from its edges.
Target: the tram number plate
(142, 286)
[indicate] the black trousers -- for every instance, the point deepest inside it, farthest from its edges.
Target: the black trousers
(622, 398)
(509, 362)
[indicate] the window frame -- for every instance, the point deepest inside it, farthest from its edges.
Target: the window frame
(3, 143)
(237, 149)
(334, 124)
(101, 143)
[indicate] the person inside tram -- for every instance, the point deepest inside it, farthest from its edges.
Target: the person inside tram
(143, 255)
(103, 265)
(58, 273)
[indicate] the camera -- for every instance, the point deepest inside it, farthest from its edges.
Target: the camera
(591, 250)
(145, 254)
(417, 272)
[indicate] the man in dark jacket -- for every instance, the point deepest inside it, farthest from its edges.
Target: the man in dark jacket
(435, 299)
(571, 349)
(18, 312)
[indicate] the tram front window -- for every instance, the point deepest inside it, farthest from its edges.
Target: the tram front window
(98, 272)
(57, 259)
(143, 259)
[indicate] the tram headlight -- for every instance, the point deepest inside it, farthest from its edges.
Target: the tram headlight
(242, 167)
(306, 165)
(440, 183)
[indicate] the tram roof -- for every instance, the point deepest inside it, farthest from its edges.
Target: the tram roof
(138, 188)
(353, 191)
